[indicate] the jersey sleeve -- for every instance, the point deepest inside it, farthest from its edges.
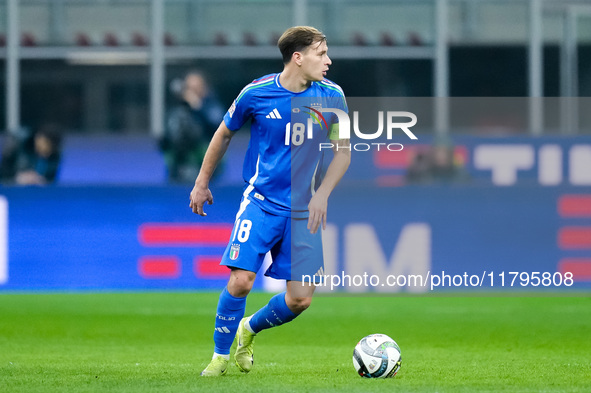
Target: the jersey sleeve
(341, 102)
(239, 111)
(338, 101)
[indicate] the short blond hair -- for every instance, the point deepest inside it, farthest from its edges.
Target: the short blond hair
(296, 39)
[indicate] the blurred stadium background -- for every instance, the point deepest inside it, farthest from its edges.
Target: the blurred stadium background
(102, 69)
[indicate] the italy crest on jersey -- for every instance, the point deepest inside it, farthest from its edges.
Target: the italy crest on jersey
(234, 251)
(316, 108)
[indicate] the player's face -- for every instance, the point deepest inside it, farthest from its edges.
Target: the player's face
(315, 61)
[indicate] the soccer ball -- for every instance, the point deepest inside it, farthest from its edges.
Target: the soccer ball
(377, 356)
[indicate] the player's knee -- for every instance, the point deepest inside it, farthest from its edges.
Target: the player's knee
(240, 282)
(298, 304)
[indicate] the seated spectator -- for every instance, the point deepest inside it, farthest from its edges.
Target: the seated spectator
(39, 165)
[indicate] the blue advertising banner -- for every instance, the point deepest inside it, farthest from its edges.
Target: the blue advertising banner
(113, 238)
(415, 238)
(425, 238)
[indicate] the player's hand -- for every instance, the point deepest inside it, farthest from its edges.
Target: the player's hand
(318, 206)
(200, 195)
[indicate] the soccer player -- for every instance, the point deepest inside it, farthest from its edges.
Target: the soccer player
(286, 192)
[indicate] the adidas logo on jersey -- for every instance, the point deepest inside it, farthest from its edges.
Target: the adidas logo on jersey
(274, 114)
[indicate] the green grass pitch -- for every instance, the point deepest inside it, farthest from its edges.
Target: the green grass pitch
(159, 342)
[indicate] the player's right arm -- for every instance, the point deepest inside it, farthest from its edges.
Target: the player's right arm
(234, 119)
(215, 151)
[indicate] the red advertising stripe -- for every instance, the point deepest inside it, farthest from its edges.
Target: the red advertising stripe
(574, 238)
(385, 158)
(183, 235)
(159, 267)
(579, 267)
(209, 266)
(574, 206)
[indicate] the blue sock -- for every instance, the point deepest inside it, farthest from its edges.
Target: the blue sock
(275, 313)
(229, 313)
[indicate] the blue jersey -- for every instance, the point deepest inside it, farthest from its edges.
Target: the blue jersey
(282, 167)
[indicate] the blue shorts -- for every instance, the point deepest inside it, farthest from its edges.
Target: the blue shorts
(294, 250)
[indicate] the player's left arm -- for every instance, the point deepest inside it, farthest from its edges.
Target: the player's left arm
(318, 205)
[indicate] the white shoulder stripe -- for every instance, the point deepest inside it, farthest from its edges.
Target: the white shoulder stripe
(264, 80)
(333, 85)
(254, 84)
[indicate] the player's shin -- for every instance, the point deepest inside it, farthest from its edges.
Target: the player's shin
(229, 313)
(275, 313)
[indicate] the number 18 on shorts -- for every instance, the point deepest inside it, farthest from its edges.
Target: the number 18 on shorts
(294, 250)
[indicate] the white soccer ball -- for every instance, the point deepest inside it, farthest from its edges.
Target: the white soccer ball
(377, 356)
